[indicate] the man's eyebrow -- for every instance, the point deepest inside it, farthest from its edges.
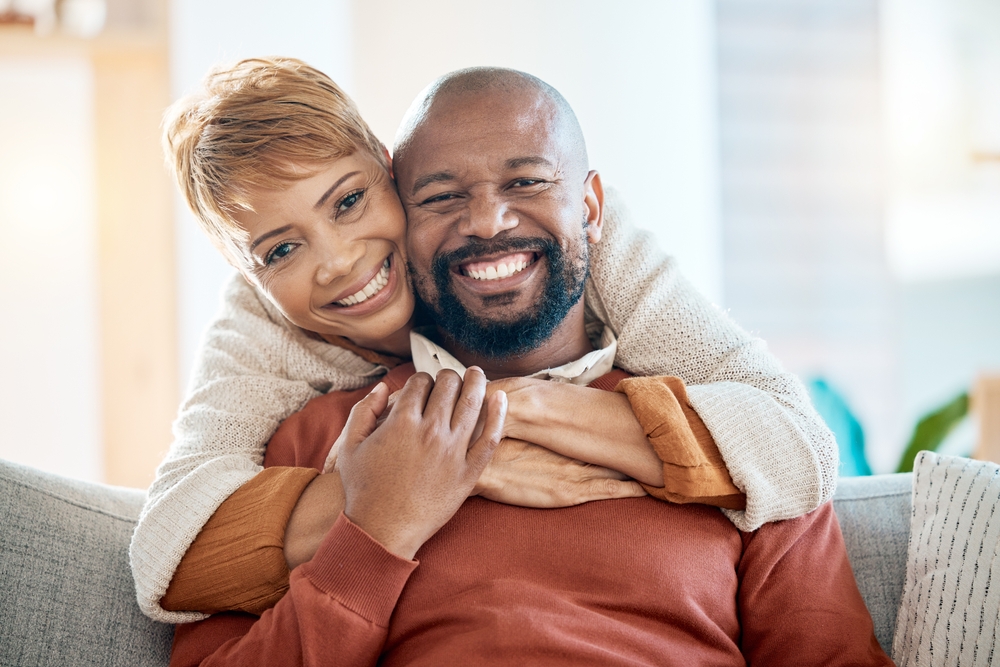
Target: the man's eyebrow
(264, 237)
(326, 195)
(528, 161)
(424, 181)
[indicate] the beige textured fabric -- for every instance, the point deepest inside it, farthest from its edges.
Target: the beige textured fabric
(255, 369)
(777, 448)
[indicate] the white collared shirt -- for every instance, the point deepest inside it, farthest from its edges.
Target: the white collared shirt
(429, 357)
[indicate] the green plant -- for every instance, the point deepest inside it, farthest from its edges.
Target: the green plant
(933, 428)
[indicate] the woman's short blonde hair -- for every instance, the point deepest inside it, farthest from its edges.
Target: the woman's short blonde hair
(252, 125)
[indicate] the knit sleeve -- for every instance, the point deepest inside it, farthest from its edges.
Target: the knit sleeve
(776, 447)
(253, 370)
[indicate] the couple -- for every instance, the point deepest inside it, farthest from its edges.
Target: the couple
(491, 168)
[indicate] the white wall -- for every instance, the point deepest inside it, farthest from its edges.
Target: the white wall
(640, 75)
(49, 385)
(203, 34)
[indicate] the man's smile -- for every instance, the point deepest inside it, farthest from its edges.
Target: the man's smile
(502, 267)
(488, 276)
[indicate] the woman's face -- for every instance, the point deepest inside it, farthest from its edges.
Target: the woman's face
(328, 250)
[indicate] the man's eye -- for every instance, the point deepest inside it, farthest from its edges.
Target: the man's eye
(279, 252)
(350, 200)
(438, 198)
(525, 182)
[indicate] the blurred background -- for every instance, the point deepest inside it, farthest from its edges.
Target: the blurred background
(828, 171)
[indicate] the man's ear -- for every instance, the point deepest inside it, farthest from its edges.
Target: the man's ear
(593, 203)
(388, 161)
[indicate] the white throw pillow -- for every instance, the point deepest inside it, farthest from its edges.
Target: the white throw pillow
(950, 610)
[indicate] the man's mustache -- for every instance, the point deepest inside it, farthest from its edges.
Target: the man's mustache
(495, 246)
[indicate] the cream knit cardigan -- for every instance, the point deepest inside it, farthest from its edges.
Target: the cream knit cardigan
(255, 369)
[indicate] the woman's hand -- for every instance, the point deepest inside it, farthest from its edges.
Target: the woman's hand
(407, 477)
(590, 425)
(527, 475)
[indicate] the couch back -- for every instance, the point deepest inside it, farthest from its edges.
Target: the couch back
(874, 514)
(66, 594)
(66, 591)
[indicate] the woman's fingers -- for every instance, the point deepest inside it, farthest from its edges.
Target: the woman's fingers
(606, 489)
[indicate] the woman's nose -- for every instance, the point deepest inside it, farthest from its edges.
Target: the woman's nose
(336, 259)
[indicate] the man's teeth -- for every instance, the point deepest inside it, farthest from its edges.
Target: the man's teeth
(375, 286)
(498, 271)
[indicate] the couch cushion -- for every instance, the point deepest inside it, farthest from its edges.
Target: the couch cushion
(950, 611)
(66, 591)
(874, 515)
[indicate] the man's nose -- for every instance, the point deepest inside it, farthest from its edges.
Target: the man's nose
(487, 216)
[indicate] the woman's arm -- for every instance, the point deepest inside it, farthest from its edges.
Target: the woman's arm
(252, 372)
(776, 447)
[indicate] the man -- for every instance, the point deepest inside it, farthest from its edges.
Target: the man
(492, 169)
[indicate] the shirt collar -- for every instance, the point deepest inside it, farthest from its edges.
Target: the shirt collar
(429, 357)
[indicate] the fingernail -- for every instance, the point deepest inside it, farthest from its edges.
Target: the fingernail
(474, 368)
(378, 387)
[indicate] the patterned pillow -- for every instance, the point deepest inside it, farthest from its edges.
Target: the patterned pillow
(950, 610)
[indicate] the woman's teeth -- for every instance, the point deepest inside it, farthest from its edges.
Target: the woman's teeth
(497, 271)
(380, 280)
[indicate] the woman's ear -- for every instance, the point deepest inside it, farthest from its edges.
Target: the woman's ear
(593, 204)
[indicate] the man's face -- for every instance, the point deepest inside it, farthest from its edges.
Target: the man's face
(499, 213)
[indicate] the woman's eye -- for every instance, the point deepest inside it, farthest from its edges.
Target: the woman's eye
(350, 200)
(279, 252)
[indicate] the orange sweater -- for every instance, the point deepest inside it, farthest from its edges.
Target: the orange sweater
(633, 581)
(237, 562)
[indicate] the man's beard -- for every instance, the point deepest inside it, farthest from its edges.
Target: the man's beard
(504, 340)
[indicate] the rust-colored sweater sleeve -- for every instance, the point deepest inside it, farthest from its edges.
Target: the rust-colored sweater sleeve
(798, 601)
(337, 611)
(693, 469)
(237, 562)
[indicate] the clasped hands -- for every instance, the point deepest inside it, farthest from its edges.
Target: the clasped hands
(407, 464)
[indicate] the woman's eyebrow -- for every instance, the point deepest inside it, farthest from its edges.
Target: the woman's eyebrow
(264, 237)
(326, 195)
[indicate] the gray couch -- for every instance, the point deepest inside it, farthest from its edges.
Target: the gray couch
(66, 594)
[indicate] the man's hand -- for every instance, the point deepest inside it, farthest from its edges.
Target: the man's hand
(527, 475)
(405, 478)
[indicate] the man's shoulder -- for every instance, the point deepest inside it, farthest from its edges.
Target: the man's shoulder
(610, 380)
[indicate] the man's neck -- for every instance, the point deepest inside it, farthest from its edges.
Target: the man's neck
(567, 343)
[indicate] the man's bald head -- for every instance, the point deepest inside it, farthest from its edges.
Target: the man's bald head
(463, 87)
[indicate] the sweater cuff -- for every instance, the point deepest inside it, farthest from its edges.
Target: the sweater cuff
(357, 571)
(237, 562)
(693, 469)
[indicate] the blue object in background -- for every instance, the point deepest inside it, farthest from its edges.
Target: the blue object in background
(832, 407)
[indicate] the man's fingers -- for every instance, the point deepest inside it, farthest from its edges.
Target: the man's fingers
(413, 396)
(469, 406)
(364, 416)
(481, 450)
(444, 396)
